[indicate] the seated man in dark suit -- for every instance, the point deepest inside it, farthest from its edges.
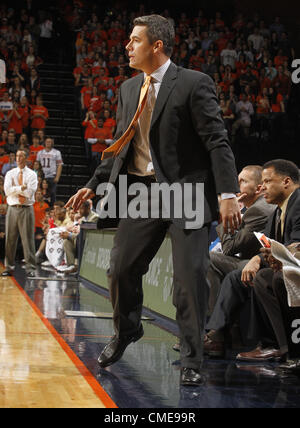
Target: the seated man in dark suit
(280, 187)
(241, 246)
(268, 283)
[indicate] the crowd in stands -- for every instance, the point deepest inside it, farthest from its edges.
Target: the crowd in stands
(23, 116)
(249, 60)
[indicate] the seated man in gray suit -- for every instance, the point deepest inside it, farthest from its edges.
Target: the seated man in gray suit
(241, 246)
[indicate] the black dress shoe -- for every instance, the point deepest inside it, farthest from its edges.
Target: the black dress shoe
(191, 377)
(114, 350)
(6, 273)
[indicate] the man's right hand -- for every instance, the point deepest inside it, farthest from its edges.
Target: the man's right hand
(250, 270)
(81, 196)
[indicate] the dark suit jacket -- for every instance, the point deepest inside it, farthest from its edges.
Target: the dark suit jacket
(291, 231)
(244, 241)
(188, 140)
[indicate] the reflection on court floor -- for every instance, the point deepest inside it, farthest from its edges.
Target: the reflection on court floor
(50, 341)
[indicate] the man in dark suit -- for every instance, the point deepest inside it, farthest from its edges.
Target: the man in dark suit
(179, 138)
(280, 187)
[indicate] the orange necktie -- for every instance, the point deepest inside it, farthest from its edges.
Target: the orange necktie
(22, 199)
(116, 148)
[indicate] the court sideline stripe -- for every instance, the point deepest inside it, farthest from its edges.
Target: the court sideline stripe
(84, 371)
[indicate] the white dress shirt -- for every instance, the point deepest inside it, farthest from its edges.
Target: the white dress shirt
(12, 188)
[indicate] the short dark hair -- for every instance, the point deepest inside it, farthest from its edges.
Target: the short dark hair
(158, 28)
(284, 167)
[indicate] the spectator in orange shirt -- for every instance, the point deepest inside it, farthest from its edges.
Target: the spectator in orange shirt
(39, 207)
(100, 32)
(241, 65)
(101, 75)
(263, 109)
(97, 64)
(34, 149)
(279, 58)
(111, 88)
(197, 60)
(86, 94)
(282, 83)
(99, 142)
(39, 114)
(113, 41)
(90, 123)
(264, 81)
(117, 30)
(26, 111)
(276, 101)
(277, 109)
(79, 69)
(109, 121)
(221, 42)
(15, 119)
(120, 78)
(228, 78)
(4, 158)
(95, 101)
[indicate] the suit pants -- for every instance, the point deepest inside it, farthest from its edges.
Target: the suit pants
(270, 290)
(220, 266)
(136, 243)
(236, 302)
(20, 221)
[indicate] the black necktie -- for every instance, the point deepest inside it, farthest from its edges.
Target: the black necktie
(278, 235)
